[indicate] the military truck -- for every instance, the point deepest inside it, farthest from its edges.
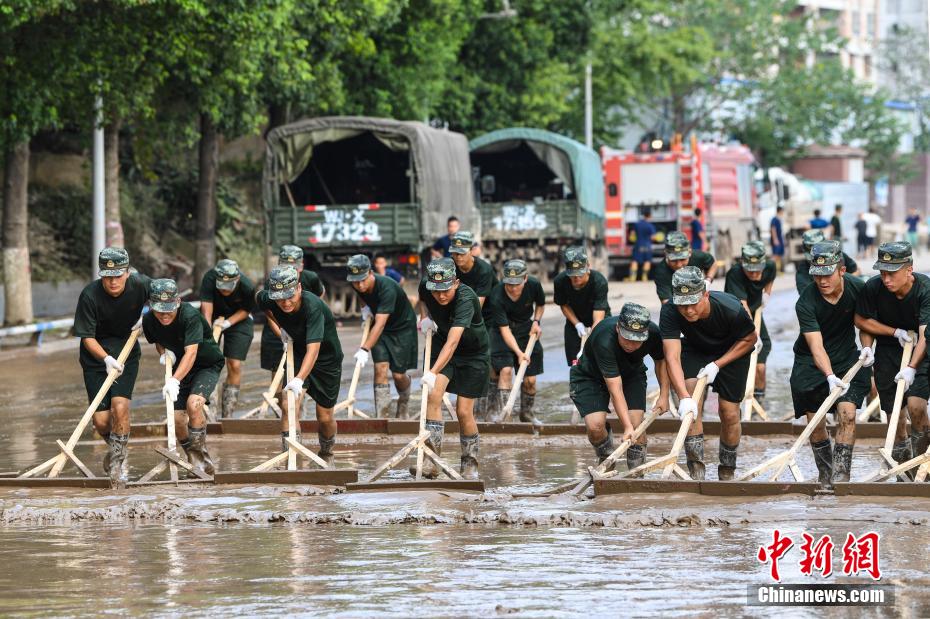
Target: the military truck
(539, 192)
(338, 186)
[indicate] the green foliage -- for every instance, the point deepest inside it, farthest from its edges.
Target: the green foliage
(903, 58)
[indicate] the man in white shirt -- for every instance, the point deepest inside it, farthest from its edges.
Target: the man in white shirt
(872, 220)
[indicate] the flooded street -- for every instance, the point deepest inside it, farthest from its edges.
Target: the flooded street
(302, 550)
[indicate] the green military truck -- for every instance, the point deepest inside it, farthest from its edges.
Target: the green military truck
(538, 192)
(342, 185)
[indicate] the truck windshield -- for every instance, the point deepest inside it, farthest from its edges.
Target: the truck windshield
(519, 175)
(356, 170)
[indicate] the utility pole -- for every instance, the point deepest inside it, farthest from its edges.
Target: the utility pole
(99, 208)
(588, 108)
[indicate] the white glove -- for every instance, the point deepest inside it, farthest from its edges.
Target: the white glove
(366, 313)
(113, 364)
(427, 325)
(171, 389)
(867, 356)
(429, 379)
(833, 382)
(907, 375)
(766, 297)
(903, 337)
(224, 324)
(757, 347)
(687, 405)
(710, 371)
(361, 357)
(707, 282)
(296, 385)
(580, 328)
(169, 355)
(286, 338)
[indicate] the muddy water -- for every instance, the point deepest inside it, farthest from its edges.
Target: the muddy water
(303, 550)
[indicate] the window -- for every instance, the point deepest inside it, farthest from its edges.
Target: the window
(856, 23)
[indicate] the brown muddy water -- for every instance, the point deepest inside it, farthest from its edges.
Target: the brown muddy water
(276, 551)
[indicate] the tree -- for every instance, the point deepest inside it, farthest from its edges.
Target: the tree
(902, 56)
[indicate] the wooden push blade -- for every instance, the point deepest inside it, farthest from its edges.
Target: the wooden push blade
(455, 485)
(316, 477)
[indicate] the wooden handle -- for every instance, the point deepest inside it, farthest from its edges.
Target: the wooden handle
(291, 410)
(753, 362)
(427, 354)
(169, 421)
(895, 413)
(518, 379)
(353, 386)
(217, 329)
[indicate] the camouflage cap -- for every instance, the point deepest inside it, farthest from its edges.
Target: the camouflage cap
(440, 274)
(688, 286)
(893, 256)
(576, 261)
(514, 271)
(163, 295)
(282, 282)
(811, 238)
(291, 254)
(752, 256)
(112, 262)
(825, 257)
(358, 267)
(462, 242)
(633, 322)
(677, 246)
(227, 274)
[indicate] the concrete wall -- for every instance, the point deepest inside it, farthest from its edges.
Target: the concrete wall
(50, 300)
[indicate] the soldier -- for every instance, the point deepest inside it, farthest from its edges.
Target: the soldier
(460, 358)
(181, 334)
(107, 311)
(751, 282)
(517, 305)
(678, 253)
(581, 293)
(707, 334)
(611, 370)
(392, 340)
(824, 352)
(479, 276)
(891, 304)
(228, 294)
(802, 278)
(307, 324)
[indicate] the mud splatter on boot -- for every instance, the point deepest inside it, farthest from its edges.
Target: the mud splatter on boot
(635, 456)
(469, 461)
(726, 468)
(920, 440)
(501, 396)
(230, 400)
(118, 471)
(694, 454)
(527, 400)
(842, 462)
(326, 448)
(382, 401)
(901, 452)
(197, 450)
(823, 457)
(434, 442)
(403, 404)
(605, 447)
(493, 402)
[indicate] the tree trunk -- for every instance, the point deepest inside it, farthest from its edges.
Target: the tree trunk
(205, 238)
(277, 116)
(114, 225)
(16, 272)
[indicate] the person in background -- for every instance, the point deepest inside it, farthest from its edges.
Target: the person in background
(381, 267)
(777, 239)
(872, 220)
(862, 241)
(698, 236)
(818, 222)
(642, 250)
(440, 248)
(912, 221)
(836, 227)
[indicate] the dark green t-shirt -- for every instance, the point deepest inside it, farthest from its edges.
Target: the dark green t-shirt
(908, 313)
(584, 301)
(463, 311)
(242, 298)
(836, 327)
(662, 273)
(189, 327)
(482, 280)
(311, 282)
(518, 315)
(387, 297)
(108, 319)
(747, 290)
(727, 323)
(312, 322)
(803, 278)
(603, 357)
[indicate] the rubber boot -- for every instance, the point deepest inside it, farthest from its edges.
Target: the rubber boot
(842, 462)
(605, 447)
(118, 471)
(759, 395)
(403, 404)
(469, 461)
(197, 451)
(326, 447)
(635, 456)
(284, 436)
(823, 457)
(726, 468)
(901, 452)
(481, 408)
(106, 456)
(382, 401)
(434, 442)
(694, 454)
(527, 401)
(919, 442)
(500, 395)
(493, 406)
(230, 400)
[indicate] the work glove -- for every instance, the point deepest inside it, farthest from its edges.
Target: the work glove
(687, 405)
(903, 337)
(167, 354)
(757, 347)
(867, 356)
(710, 371)
(295, 385)
(707, 282)
(426, 324)
(224, 324)
(286, 338)
(581, 329)
(361, 357)
(366, 314)
(113, 364)
(833, 382)
(171, 389)
(429, 379)
(907, 375)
